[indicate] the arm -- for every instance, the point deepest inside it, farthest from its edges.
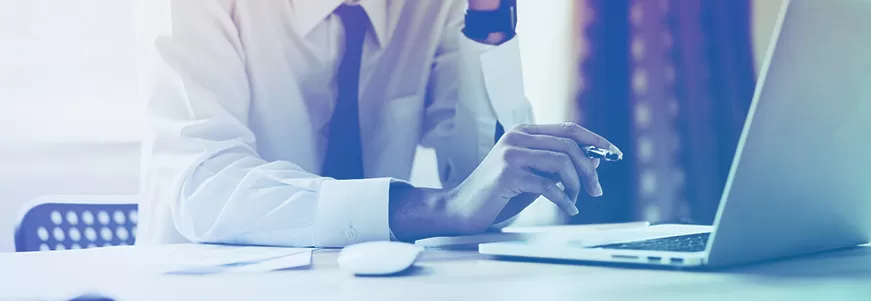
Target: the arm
(200, 158)
(474, 88)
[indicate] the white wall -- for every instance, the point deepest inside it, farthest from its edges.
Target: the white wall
(69, 119)
(67, 71)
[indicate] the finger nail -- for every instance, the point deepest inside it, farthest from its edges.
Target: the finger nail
(574, 211)
(597, 192)
(614, 149)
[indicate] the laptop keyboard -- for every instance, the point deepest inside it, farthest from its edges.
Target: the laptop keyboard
(683, 243)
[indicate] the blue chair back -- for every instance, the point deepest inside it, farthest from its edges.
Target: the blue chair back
(57, 224)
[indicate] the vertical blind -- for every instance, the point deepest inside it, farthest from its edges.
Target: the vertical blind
(671, 82)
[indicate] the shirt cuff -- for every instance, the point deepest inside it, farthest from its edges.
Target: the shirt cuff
(476, 46)
(352, 211)
(503, 80)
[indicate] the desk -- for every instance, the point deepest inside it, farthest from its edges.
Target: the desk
(441, 275)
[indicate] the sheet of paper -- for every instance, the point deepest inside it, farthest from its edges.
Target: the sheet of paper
(283, 262)
(575, 228)
(180, 257)
(470, 241)
(297, 260)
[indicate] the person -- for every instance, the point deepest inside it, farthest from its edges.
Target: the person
(295, 123)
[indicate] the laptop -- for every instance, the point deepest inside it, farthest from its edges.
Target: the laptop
(800, 181)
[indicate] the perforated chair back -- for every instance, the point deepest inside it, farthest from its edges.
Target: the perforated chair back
(77, 222)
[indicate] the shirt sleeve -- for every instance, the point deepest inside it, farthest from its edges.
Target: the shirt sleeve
(473, 88)
(202, 175)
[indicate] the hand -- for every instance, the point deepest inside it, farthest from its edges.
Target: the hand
(529, 161)
(526, 163)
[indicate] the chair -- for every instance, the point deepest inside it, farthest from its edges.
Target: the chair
(77, 222)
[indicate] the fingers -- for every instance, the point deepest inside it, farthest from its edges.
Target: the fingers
(544, 162)
(536, 184)
(569, 130)
(592, 185)
(586, 167)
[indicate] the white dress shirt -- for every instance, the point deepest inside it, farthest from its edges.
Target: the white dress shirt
(241, 92)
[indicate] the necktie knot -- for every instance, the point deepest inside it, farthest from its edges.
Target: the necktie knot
(353, 18)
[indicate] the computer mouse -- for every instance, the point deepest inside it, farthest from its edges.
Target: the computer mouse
(378, 257)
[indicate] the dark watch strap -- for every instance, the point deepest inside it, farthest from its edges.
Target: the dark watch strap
(480, 24)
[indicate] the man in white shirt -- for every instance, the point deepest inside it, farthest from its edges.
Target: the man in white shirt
(295, 122)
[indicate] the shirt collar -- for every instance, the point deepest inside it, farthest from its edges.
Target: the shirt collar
(309, 13)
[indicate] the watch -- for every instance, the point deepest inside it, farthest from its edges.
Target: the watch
(480, 24)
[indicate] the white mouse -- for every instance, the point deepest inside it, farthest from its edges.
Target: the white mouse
(378, 257)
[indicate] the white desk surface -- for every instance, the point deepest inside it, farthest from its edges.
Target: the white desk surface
(440, 275)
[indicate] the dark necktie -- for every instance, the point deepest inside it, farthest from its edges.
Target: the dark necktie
(344, 158)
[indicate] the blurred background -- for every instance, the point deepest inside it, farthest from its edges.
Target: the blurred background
(669, 81)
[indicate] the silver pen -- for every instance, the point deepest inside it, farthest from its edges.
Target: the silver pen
(593, 152)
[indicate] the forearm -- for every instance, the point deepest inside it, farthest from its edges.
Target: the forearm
(417, 213)
(213, 191)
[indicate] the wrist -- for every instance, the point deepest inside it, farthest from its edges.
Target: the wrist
(415, 213)
(491, 21)
(496, 38)
(484, 4)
